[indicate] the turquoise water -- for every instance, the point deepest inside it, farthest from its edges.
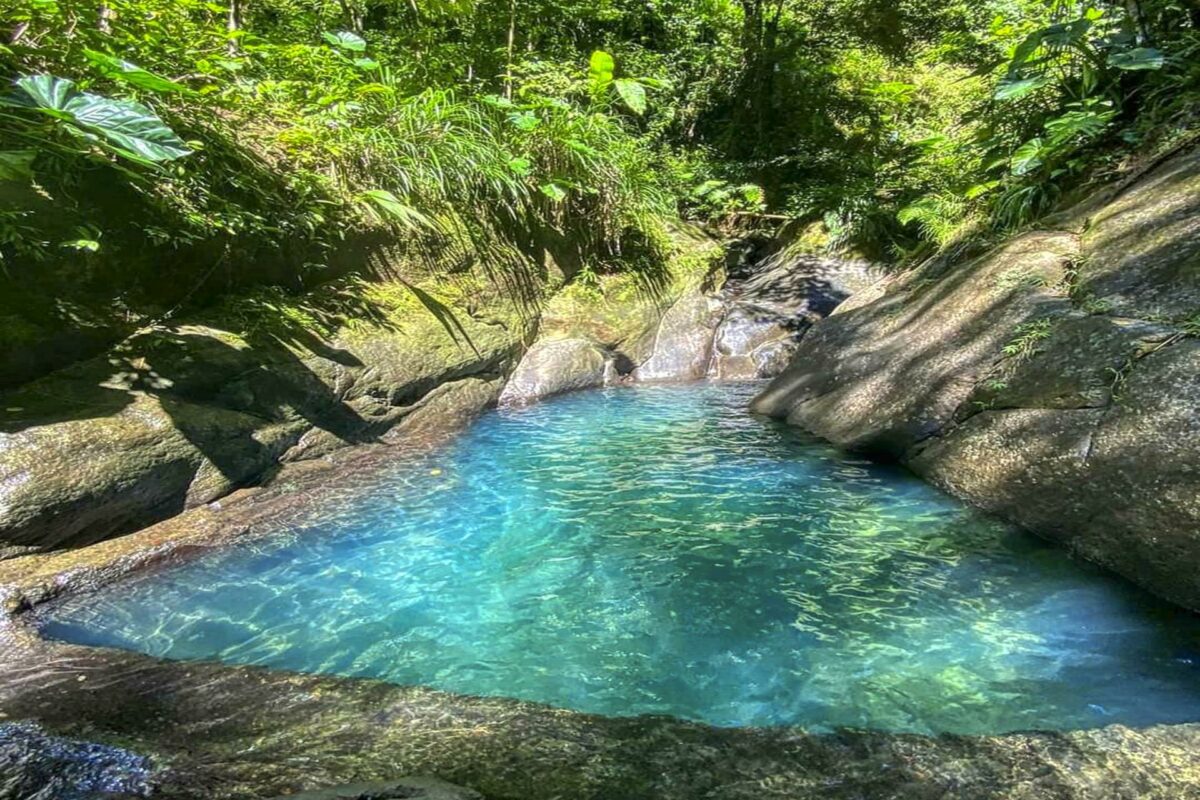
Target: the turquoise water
(659, 550)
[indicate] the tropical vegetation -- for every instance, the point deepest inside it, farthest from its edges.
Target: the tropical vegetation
(172, 150)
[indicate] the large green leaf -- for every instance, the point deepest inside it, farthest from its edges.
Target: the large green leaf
(1083, 123)
(520, 166)
(980, 189)
(633, 94)
(554, 191)
(600, 71)
(121, 70)
(345, 40)
(1016, 89)
(524, 120)
(1027, 157)
(128, 128)
(1140, 58)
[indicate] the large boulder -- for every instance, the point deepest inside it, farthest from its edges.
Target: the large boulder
(1053, 380)
(180, 415)
(555, 366)
(683, 344)
(885, 375)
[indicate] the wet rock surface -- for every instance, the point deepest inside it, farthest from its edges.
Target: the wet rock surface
(769, 306)
(683, 342)
(35, 765)
(403, 789)
(1051, 380)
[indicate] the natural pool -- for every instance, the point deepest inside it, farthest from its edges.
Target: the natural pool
(658, 550)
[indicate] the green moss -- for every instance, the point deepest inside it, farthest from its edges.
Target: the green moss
(15, 330)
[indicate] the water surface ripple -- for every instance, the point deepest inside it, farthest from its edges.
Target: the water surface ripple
(658, 550)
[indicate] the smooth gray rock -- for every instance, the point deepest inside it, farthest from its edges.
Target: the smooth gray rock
(683, 344)
(1141, 250)
(883, 376)
(771, 305)
(555, 366)
(179, 416)
(751, 343)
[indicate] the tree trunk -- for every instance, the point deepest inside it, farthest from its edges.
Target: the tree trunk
(1133, 8)
(354, 15)
(233, 24)
(512, 38)
(104, 20)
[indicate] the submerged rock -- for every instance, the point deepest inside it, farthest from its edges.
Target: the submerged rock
(1053, 380)
(228, 733)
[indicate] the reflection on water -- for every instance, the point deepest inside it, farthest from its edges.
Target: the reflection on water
(658, 550)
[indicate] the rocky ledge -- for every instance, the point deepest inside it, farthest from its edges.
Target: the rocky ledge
(209, 732)
(1054, 380)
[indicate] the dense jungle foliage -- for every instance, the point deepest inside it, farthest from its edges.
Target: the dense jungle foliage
(158, 147)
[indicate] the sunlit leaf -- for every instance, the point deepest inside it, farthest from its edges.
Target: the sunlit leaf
(121, 70)
(893, 89)
(520, 166)
(583, 147)
(633, 94)
(600, 71)
(385, 206)
(554, 191)
(89, 245)
(1140, 58)
(524, 120)
(980, 189)
(1084, 124)
(1014, 90)
(129, 128)
(931, 142)
(1027, 157)
(345, 40)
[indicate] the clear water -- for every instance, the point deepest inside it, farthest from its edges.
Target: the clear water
(658, 550)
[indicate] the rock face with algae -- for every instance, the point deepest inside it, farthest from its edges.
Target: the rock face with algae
(179, 415)
(1054, 380)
